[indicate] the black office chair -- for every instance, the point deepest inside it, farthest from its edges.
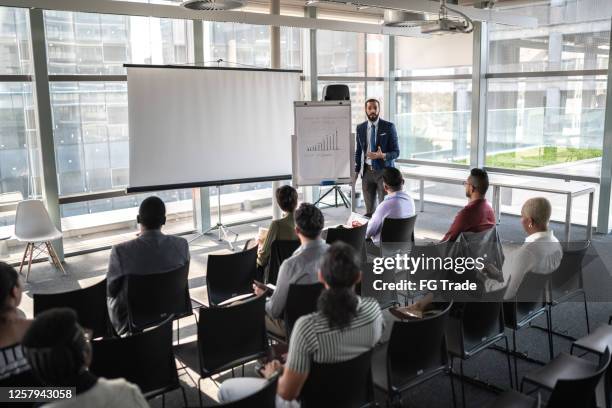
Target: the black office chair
(145, 359)
(397, 235)
(152, 298)
(347, 384)
(89, 304)
(567, 281)
(301, 300)
(279, 251)
(415, 353)
(475, 326)
(528, 304)
(355, 237)
(572, 380)
(230, 275)
(597, 343)
(264, 398)
(336, 92)
(227, 337)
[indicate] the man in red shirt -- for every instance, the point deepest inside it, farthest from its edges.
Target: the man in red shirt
(477, 215)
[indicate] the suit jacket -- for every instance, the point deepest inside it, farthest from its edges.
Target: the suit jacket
(386, 138)
(152, 252)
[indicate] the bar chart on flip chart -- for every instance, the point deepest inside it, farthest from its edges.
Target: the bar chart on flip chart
(322, 145)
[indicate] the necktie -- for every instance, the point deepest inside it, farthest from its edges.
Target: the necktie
(373, 138)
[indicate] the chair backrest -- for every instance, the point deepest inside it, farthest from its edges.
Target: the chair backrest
(229, 336)
(279, 251)
(347, 384)
(152, 298)
(230, 275)
(264, 398)
(529, 301)
(398, 230)
(385, 298)
(417, 347)
(89, 304)
(32, 220)
(355, 237)
(145, 359)
(579, 392)
(472, 325)
(301, 300)
(568, 276)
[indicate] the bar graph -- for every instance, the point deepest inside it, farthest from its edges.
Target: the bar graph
(327, 144)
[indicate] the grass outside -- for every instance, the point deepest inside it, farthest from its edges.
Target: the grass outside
(538, 157)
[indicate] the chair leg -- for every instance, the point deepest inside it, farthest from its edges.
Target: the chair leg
(200, 392)
(59, 263)
(462, 383)
(551, 350)
(25, 253)
(509, 364)
(30, 263)
(452, 382)
(586, 313)
(163, 400)
(515, 358)
(184, 396)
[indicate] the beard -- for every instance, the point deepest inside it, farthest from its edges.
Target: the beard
(373, 117)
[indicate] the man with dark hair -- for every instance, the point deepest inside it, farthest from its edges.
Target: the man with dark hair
(301, 268)
(477, 215)
(59, 352)
(397, 203)
(281, 229)
(151, 253)
(376, 148)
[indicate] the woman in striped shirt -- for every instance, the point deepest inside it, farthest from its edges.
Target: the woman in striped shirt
(344, 327)
(13, 326)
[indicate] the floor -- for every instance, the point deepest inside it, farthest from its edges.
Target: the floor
(84, 270)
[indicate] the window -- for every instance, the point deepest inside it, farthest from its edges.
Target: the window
(233, 44)
(439, 55)
(340, 53)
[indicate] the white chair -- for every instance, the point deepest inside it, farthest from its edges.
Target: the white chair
(34, 227)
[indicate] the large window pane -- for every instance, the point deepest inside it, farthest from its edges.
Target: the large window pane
(98, 44)
(340, 53)
(433, 120)
(237, 44)
(291, 48)
(552, 48)
(15, 55)
(376, 55)
(546, 124)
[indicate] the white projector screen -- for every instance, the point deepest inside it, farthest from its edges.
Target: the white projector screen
(195, 127)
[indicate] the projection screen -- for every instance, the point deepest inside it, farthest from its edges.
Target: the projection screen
(195, 127)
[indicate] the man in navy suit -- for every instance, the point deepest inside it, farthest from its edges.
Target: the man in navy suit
(376, 147)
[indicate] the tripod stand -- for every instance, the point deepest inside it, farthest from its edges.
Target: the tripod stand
(337, 192)
(222, 229)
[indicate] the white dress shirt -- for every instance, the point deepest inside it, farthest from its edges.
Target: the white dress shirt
(368, 135)
(541, 253)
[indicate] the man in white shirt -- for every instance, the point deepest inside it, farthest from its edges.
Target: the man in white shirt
(541, 253)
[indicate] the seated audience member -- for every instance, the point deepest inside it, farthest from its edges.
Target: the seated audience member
(151, 253)
(283, 228)
(300, 268)
(477, 215)
(541, 253)
(397, 203)
(13, 326)
(60, 354)
(344, 327)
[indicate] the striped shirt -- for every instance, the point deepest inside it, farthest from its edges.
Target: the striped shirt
(12, 361)
(313, 340)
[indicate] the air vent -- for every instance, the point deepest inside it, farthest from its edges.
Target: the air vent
(213, 4)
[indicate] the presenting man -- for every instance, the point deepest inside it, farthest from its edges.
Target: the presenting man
(377, 148)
